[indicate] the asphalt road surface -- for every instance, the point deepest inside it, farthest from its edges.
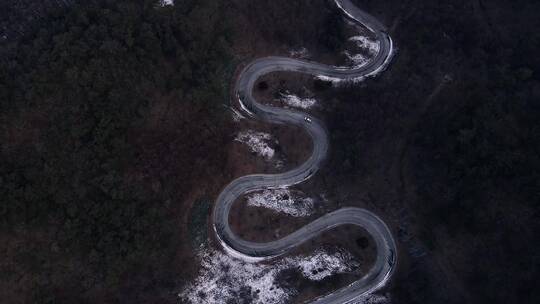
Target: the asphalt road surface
(385, 262)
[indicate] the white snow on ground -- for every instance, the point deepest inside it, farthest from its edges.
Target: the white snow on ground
(322, 265)
(295, 101)
(357, 60)
(374, 299)
(339, 81)
(167, 2)
(282, 200)
(257, 142)
(366, 43)
(223, 278)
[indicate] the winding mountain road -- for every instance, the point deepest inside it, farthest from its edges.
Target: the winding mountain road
(385, 262)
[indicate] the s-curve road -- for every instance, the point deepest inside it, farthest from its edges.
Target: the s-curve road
(385, 262)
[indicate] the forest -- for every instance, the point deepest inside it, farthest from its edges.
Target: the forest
(99, 105)
(112, 114)
(461, 108)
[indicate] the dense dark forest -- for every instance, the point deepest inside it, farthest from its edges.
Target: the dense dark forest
(19, 17)
(111, 113)
(467, 81)
(278, 22)
(97, 107)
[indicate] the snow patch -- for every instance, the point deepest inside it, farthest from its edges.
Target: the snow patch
(322, 265)
(338, 81)
(357, 60)
(380, 69)
(166, 2)
(282, 200)
(258, 142)
(223, 278)
(372, 46)
(295, 101)
(373, 299)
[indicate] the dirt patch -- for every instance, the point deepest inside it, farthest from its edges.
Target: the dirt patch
(261, 224)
